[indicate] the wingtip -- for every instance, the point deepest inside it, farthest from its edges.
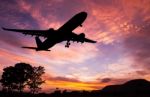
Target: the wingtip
(94, 41)
(3, 28)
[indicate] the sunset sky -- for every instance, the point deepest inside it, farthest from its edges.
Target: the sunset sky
(120, 27)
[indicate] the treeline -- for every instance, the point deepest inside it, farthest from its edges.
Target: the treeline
(56, 93)
(22, 75)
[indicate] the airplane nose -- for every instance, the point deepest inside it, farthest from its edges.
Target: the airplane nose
(84, 13)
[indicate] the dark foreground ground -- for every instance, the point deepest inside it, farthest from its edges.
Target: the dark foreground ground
(133, 88)
(72, 95)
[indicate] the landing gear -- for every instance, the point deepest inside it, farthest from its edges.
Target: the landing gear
(67, 44)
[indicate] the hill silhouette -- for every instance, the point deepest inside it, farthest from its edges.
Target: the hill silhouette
(133, 88)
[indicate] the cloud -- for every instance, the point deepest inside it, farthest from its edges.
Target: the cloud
(105, 80)
(142, 72)
(59, 78)
(71, 84)
(127, 22)
(136, 42)
(138, 46)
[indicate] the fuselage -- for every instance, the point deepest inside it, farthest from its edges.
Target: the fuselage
(54, 38)
(57, 36)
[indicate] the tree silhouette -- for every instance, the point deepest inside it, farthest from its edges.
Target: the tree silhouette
(23, 73)
(35, 81)
(16, 78)
(8, 78)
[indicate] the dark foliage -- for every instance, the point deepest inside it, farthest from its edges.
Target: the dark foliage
(8, 78)
(21, 75)
(14, 78)
(35, 81)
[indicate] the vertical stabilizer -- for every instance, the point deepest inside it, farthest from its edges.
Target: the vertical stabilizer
(38, 42)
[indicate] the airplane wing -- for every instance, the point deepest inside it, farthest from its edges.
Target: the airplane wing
(28, 32)
(81, 38)
(89, 40)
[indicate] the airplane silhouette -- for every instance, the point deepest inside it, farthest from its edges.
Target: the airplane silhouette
(64, 33)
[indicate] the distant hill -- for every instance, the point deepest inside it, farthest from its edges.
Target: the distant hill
(133, 87)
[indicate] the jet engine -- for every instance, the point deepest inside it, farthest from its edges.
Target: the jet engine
(81, 37)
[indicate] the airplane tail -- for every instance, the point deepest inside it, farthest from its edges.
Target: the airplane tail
(38, 42)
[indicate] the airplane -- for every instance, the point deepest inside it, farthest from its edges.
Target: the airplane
(64, 33)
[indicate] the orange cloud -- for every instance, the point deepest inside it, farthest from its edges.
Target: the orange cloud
(113, 20)
(71, 84)
(74, 85)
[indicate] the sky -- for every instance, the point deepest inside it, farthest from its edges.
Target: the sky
(120, 27)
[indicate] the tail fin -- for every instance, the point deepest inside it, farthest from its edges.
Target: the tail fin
(38, 42)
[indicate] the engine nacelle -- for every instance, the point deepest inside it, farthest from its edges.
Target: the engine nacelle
(81, 37)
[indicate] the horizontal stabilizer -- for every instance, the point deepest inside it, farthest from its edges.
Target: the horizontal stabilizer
(30, 48)
(34, 48)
